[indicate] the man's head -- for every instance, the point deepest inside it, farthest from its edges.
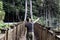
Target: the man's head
(27, 19)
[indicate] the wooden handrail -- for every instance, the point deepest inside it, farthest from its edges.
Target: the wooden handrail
(43, 33)
(15, 33)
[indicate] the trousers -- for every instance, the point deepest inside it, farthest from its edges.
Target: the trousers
(29, 36)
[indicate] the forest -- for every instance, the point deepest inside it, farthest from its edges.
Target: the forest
(44, 23)
(47, 10)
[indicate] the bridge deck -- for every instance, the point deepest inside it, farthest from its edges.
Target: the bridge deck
(23, 37)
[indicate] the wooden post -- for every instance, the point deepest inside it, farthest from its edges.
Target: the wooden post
(46, 34)
(7, 34)
(16, 31)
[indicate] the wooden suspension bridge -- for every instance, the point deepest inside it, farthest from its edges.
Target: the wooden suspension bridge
(18, 32)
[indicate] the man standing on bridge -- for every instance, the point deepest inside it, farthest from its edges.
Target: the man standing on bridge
(28, 25)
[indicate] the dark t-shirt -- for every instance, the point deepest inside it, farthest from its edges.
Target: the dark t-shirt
(29, 26)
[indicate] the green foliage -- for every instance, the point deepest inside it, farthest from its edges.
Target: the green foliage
(3, 25)
(1, 5)
(39, 6)
(40, 21)
(12, 5)
(2, 14)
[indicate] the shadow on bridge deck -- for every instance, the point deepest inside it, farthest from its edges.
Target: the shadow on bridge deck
(23, 37)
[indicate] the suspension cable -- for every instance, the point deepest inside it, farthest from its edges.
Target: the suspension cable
(25, 10)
